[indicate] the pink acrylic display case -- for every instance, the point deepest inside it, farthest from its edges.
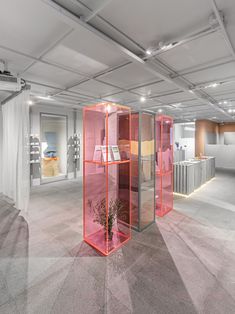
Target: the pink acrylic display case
(164, 164)
(106, 176)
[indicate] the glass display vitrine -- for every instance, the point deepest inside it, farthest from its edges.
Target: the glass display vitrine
(164, 165)
(142, 170)
(106, 176)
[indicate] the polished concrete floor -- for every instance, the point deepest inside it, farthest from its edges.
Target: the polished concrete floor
(183, 264)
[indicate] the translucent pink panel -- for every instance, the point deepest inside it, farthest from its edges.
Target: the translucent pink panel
(106, 176)
(119, 131)
(94, 185)
(119, 200)
(94, 136)
(158, 131)
(164, 165)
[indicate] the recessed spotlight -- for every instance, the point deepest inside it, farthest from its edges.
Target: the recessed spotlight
(225, 102)
(213, 85)
(30, 102)
(160, 110)
(220, 103)
(142, 99)
(148, 52)
(230, 111)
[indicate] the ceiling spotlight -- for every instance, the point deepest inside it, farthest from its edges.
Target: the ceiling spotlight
(45, 98)
(142, 99)
(148, 52)
(108, 108)
(220, 103)
(176, 105)
(225, 102)
(160, 110)
(30, 102)
(165, 46)
(230, 111)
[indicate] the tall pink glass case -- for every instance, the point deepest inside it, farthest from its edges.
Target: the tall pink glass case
(106, 176)
(164, 164)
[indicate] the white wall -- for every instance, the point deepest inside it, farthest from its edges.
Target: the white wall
(229, 138)
(185, 137)
(224, 155)
(1, 137)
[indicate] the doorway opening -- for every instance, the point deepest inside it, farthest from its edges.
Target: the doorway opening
(53, 147)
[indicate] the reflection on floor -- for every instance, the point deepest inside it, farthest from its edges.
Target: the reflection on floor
(60, 176)
(182, 264)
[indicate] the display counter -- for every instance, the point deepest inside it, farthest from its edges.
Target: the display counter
(190, 175)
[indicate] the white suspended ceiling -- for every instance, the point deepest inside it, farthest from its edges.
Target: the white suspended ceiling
(80, 52)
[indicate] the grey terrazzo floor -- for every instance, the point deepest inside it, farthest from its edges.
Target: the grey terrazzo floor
(182, 264)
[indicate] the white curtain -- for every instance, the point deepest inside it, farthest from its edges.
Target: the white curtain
(15, 156)
(1, 138)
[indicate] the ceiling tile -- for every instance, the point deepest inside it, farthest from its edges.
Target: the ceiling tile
(222, 89)
(128, 76)
(151, 21)
(51, 75)
(212, 75)
(196, 52)
(29, 26)
(176, 97)
(156, 88)
(15, 62)
(95, 88)
(122, 97)
(86, 52)
(66, 56)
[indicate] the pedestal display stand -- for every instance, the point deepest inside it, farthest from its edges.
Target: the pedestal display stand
(106, 176)
(143, 174)
(164, 164)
